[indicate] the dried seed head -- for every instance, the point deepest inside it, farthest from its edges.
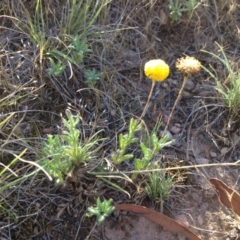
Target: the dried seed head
(188, 66)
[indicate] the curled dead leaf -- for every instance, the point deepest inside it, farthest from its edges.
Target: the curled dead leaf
(166, 222)
(229, 197)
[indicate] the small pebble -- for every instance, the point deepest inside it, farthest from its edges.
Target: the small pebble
(175, 82)
(205, 94)
(164, 85)
(37, 206)
(224, 150)
(178, 125)
(47, 130)
(213, 154)
(189, 85)
(175, 130)
(187, 94)
(113, 112)
(165, 118)
(171, 81)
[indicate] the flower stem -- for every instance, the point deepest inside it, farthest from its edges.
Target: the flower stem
(185, 78)
(149, 97)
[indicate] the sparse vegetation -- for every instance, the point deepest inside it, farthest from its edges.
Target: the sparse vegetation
(64, 152)
(150, 147)
(124, 141)
(78, 113)
(159, 186)
(177, 7)
(229, 88)
(101, 211)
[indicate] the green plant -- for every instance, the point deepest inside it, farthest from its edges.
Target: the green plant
(81, 15)
(7, 175)
(150, 148)
(55, 69)
(70, 44)
(92, 77)
(75, 31)
(101, 211)
(34, 26)
(190, 6)
(78, 49)
(125, 140)
(229, 91)
(61, 153)
(177, 8)
(11, 167)
(159, 186)
(72, 53)
(9, 178)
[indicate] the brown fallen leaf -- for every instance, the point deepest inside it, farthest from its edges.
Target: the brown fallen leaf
(228, 196)
(163, 17)
(166, 222)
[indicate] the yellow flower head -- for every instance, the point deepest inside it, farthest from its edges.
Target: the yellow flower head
(188, 66)
(156, 70)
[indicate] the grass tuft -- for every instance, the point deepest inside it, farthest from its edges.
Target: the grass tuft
(229, 87)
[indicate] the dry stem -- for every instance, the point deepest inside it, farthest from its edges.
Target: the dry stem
(149, 97)
(175, 104)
